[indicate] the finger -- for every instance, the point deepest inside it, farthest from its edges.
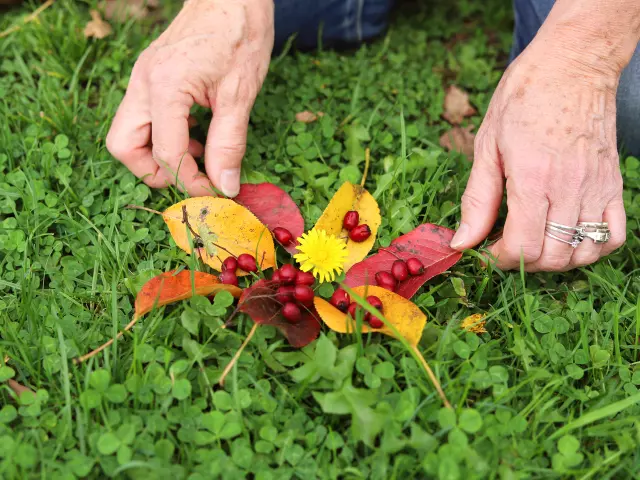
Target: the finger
(588, 252)
(482, 197)
(196, 149)
(556, 255)
(616, 217)
(129, 137)
(170, 138)
(523, 235)
(226, 140)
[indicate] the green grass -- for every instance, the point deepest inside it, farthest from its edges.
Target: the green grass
(550, 392)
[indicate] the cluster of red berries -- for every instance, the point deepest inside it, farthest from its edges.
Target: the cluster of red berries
(341, 300)
(294, 291)
(400, 271)
(357, 233)
(244, 262)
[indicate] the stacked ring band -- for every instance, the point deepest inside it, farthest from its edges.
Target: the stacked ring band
(598, 232)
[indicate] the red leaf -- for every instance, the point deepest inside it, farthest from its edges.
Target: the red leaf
(273, 207)
(259, 302)
(429, 243)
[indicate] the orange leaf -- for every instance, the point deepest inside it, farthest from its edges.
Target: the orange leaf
(404, 315)
(351, 197)
(456, 105)
(219, 227)
(166, 288)
(474, 323)
(171, 287)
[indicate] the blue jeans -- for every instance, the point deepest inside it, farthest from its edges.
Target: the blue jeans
(350, 22)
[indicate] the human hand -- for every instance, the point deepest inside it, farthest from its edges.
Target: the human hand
(215, 53)
(550, 132)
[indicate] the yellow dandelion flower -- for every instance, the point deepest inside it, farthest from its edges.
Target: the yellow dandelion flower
(324, 255)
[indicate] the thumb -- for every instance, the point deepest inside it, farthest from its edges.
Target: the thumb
(226, 144)
(481, 199)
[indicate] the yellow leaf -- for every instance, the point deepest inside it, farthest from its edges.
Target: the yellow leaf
(474, 323)
(218, 228)
(404, 315)
(351, 197)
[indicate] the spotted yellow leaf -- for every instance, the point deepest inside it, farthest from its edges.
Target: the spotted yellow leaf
(218, 228)
(351, 197)
(474, 323)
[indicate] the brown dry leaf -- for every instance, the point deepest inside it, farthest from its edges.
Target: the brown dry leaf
(306, 117)
(474, 323)
(121, 10)
(459, 139)
(351, 197)
(456, 105)
(219, 227)
(404, 315)
(97, 27)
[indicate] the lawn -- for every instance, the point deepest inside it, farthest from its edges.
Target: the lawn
(549, 391)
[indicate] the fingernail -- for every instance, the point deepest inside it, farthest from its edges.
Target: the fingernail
(461, 235)
(230, 182)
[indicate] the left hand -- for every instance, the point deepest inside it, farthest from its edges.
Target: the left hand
(550, 131)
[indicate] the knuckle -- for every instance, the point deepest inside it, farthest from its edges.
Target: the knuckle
(554, 263)
(116, 147)
(529, 251)
(584, 259)
(471, 201)
(234, 150)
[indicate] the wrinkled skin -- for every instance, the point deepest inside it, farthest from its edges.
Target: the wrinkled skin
(216, 54)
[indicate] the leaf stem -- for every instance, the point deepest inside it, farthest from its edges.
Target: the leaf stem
(367, 156)
(233, 361)
(29, 18)
(150, 210)
(432, 377)
(105, 345)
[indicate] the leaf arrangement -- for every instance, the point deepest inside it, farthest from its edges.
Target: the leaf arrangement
(236, 238)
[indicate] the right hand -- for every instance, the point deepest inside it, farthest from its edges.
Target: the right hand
(215, 53)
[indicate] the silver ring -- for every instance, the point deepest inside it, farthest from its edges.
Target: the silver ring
(574, 242)
(599, 236)
(560, 227)
(596, 225)
(598, 232)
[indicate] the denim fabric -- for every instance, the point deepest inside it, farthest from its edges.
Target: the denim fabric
(529, 16)
(342, 22)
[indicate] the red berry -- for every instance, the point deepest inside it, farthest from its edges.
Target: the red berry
(375, 322)
(247, 263)
(228, 277)
(283, 236)
(305, 278)
(400, 270)
(303, 294)
(230, 263)
(360, 233)
(386, 280)
(285, 294)
(415, 266)
(351, 220)
(375, 302)
(288, 273)
(276, 277)
(340, 299)
(353, 307)
(291, 312)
